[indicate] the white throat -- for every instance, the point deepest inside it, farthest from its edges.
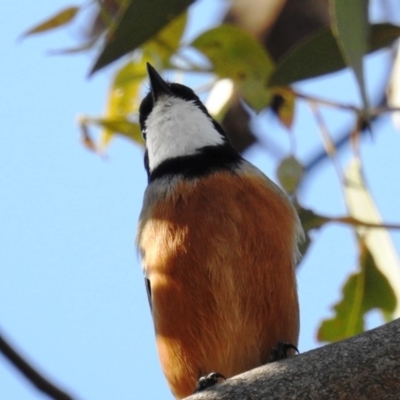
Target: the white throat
(175, 128)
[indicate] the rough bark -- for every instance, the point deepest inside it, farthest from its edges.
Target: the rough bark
(366, 366)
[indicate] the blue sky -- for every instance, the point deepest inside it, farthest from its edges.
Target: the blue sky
(72, 297)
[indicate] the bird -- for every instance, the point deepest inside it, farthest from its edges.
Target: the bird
(218, 242)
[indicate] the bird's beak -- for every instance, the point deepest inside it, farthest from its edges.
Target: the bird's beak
(157, 84)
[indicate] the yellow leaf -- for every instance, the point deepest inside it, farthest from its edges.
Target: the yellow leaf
(111, 126)
(123, 97)
(283, 106)
(166, 42)
(61, 18)
(121, 126)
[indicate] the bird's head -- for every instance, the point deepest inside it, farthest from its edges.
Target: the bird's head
(175, 123)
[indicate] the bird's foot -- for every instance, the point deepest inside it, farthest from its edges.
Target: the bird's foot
(281, 351)
(206, 382)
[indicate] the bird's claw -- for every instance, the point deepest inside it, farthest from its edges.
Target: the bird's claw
(209, 380)
(280, 351)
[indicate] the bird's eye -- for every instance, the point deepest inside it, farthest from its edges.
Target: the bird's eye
(144, 133)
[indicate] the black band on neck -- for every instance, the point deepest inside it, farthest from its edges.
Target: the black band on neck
(209, 159)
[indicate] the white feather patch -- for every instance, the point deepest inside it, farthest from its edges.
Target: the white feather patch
(175, 128)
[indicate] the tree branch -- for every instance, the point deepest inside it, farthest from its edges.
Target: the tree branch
(30, 373)
(366, 366)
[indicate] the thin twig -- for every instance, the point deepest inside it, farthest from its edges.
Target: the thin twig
(355, 221)
(373, 112)
(326, 139)
(30, 373)
(324, 102)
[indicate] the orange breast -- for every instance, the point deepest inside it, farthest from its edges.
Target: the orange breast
(219, 253)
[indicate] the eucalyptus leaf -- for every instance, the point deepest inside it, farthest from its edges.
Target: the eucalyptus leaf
(319, 54)
(364, 291)
(123, 100)
(58, 20)
(165, 43)
(290, 172)
(237, 55)
(351, 30)
(141, 20)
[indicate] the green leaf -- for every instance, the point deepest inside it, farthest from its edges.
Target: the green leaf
(311, 220)
(141, 20)
(366, 290)
(163, 45)
(237, 55)
(61, 18)
(379, 292)
(319, 54)
(351, 29)
(361, 206)
(290, 173)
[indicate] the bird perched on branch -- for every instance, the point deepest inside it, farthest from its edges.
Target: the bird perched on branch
(218, 242)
